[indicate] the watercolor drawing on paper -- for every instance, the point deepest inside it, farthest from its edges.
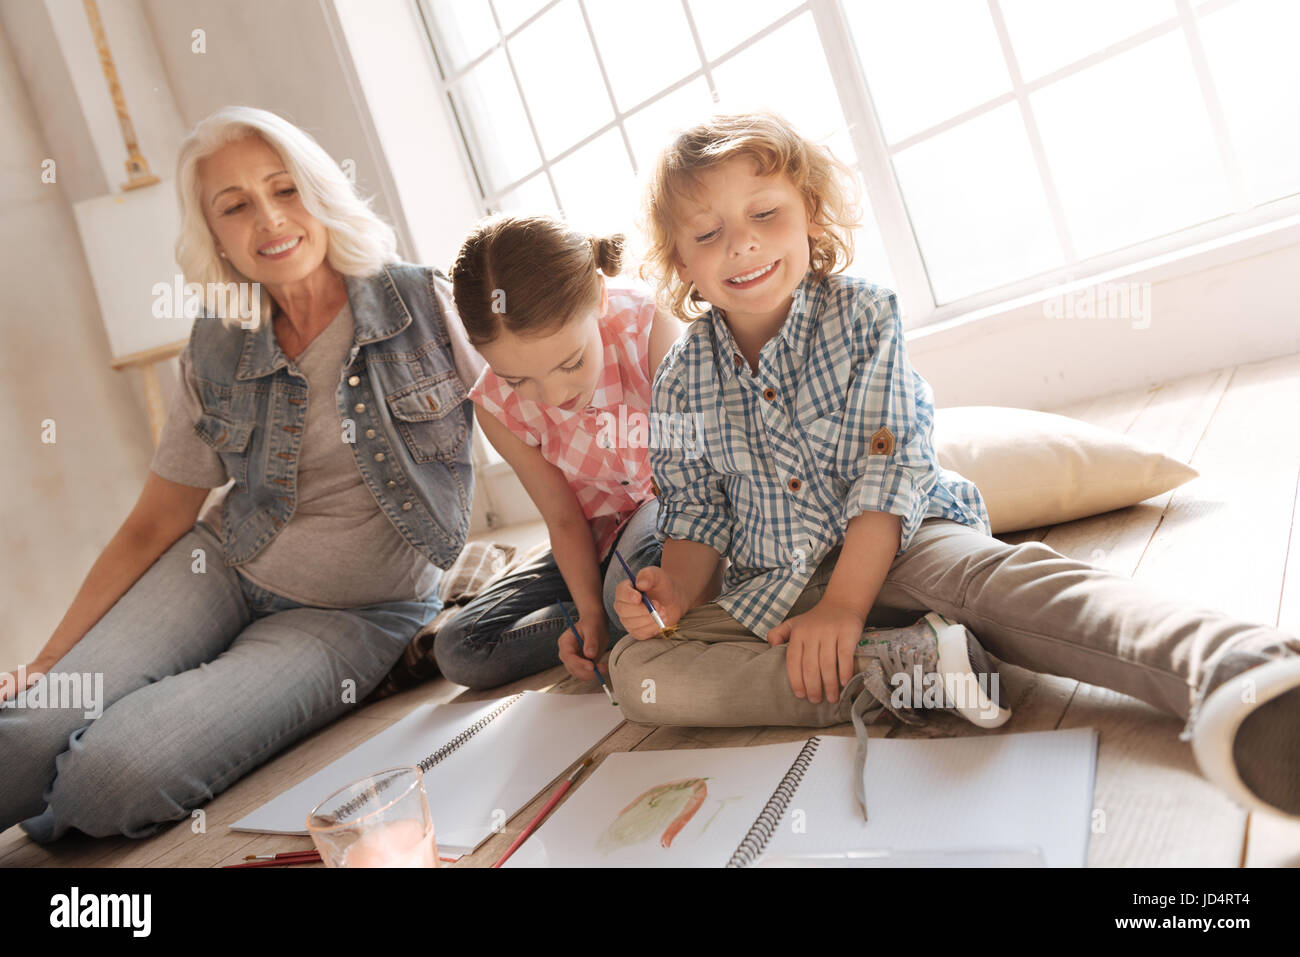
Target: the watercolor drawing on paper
(662, 810)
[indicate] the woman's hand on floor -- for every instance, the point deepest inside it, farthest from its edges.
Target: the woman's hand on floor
(9, 685)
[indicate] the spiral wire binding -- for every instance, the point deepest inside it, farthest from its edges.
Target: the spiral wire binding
(770, 817)
(437, 757)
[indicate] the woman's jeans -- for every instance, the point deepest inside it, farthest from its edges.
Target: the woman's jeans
(512, 629)
(204, 677)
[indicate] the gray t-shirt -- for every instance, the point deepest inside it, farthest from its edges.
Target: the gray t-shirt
(338, 550)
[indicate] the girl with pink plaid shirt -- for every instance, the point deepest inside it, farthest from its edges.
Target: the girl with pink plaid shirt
(567, 390)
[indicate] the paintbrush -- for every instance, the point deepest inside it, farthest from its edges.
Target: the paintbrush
(595, 667)
(555, 799)
(664, 630)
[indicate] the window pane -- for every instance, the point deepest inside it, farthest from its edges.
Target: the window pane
(869, 258)
(660, 25)
(926, 60)
(1047, 36)
(496, 129)
(977, 205)
(510, 12)
(464, 30)
(786, 71)
(650, 129)
(1251, 50)
(724, 24)
(565, 94)
(596, 186)
(1130, 147)
(533, 195)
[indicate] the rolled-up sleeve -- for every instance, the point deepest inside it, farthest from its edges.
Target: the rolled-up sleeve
(693, 503)
(887, 403)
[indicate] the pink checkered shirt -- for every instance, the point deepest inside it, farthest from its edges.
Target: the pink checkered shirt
(609, 483)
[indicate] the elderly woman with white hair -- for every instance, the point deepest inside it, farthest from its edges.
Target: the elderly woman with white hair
(342, 420)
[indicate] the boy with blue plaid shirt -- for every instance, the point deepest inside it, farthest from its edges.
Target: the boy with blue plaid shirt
(819, 482)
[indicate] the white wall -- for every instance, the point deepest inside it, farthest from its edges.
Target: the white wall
(279, 56)
(62, 501)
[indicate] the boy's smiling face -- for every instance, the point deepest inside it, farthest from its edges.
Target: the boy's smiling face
(742, 239)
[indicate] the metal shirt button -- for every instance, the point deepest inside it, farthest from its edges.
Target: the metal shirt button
(406, 506)
(391, 484)
(379, 456)
(739, 361)
(370, 433)
(354, 380)
(359, 407)
(769, 394)
(795, 485)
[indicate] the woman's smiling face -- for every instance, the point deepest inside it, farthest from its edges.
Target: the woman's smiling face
(742, 239)
(254, 210)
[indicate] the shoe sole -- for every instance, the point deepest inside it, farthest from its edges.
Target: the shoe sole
(1266, 731)
(954, 665)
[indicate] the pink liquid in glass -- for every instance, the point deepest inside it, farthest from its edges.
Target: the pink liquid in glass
(394, 844)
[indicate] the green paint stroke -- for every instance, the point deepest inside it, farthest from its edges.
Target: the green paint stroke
(667, 807)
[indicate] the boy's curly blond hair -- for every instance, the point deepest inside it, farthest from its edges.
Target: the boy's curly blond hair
(828, 186)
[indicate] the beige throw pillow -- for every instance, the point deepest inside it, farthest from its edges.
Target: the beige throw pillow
(1038, 468)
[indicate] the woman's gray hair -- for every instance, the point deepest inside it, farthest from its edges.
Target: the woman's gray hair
(360, 243)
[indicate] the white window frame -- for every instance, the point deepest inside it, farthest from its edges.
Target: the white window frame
(874, 156)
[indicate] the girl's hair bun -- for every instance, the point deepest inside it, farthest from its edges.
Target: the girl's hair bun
(609, 253)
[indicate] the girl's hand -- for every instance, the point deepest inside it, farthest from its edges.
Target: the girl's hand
(655, 584)
(9, 679)
(580, 662)
(819, 656)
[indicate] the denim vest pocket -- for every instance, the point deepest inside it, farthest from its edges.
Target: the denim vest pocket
(430, 418)
(230, 441)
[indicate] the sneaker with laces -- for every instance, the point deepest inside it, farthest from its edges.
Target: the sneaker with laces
(1245, 726)
(934, 660)
(933, 646)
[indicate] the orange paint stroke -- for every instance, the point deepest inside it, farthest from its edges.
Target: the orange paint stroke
(652, 796)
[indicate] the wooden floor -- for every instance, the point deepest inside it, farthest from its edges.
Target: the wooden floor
(1223, 540)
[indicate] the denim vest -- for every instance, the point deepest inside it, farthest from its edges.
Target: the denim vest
(399, 395)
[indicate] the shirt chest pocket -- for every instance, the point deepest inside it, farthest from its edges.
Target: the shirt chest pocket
(430, 419)
(229, 440)
(825, 437)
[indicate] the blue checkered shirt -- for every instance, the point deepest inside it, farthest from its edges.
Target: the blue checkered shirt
(835, 423)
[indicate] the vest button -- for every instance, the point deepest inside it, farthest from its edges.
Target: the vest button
(379, 456)
(370, 433)
(359, 407)
(354, 380)
(406, 506)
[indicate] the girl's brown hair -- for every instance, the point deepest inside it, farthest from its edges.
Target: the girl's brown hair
(528, 275)
(829, 189)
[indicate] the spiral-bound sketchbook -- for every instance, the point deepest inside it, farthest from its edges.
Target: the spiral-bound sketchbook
(482, 762)
(734, 806)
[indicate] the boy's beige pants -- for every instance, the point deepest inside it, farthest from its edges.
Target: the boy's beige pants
(1027, 604)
